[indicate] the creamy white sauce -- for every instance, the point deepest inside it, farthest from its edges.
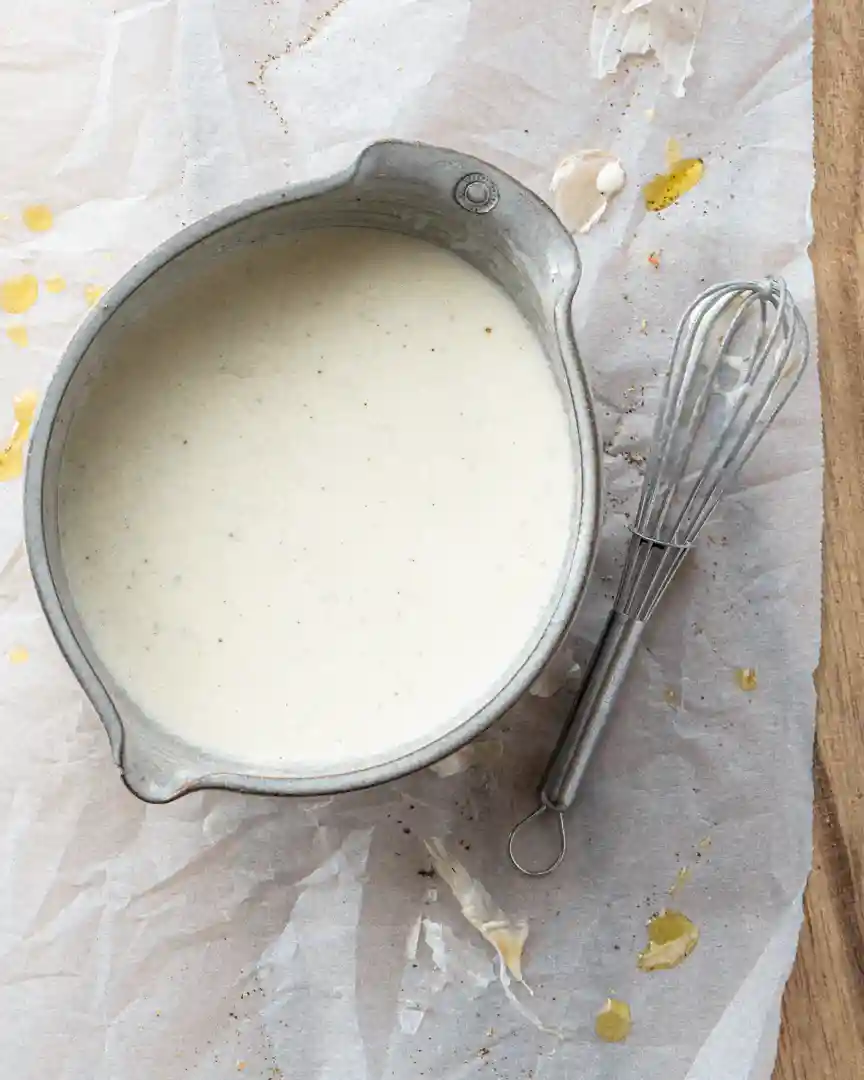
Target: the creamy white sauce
(316, 510)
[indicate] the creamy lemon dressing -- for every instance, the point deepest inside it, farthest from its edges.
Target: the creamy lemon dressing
(315, 511)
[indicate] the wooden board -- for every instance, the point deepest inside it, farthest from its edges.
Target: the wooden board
(822, 1037)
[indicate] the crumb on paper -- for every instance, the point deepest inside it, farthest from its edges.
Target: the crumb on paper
(671, 939)
(583, 185)
(38, 217)
(17, 334)
(92, 293)
(12, 455)
(667, 28)
(672, 697)
(704, 843)
(505, 935)
(643, 327)
(654, 259)
(18, 654)
(746, 679)
(19, 294)
(613, 1022)
(681, 175)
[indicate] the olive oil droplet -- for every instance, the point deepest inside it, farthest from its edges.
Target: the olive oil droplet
(682, 174)
(38, 218)
(613, 1022)
(17, 334)
(681, 879)
(12, 455)
(746, 678)
(18, 294)
(671, 939)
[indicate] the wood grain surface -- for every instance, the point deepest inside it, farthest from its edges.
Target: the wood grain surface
(822, 1035)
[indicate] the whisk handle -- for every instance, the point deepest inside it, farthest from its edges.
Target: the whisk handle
(591, 710)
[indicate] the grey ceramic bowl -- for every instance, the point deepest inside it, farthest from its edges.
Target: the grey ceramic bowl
(442, 196)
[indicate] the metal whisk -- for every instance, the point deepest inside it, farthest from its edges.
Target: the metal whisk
(740, 350)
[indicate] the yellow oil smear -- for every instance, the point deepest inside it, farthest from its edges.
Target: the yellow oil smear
(509, 943)
(18, 655)
(12, 455)
(38, 218)
(681, 879)
(505, 935)
(92, 294)
(613, 1022)
(671, 939)
(704, 843)
(682, 174)
(55, 284)
(17, 334)
(673, 153)
(18, 294)
(746, 678)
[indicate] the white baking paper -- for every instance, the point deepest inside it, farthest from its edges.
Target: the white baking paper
(226, 935)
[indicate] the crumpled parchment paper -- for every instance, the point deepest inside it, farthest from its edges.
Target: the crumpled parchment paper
(226, 935)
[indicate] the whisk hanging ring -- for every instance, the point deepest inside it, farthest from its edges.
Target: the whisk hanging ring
(539, 811)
